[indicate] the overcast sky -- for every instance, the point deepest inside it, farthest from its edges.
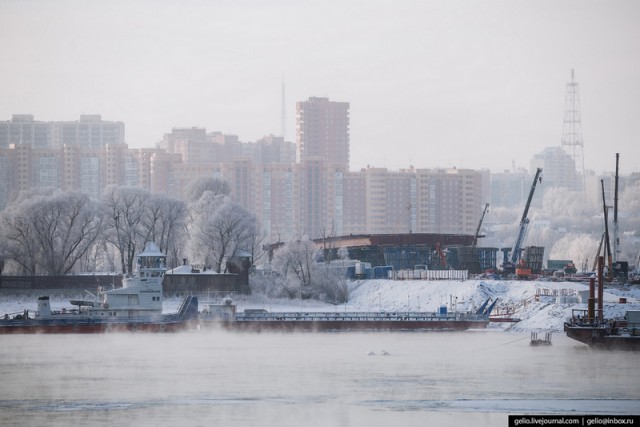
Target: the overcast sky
(474, 84)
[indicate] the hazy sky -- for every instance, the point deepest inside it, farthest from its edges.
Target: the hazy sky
(477, 84)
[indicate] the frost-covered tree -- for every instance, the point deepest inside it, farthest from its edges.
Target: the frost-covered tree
(219, 228)
(200, 212)
(67, 226)
(295, 260)
(164, 222)
(19, 236)
(124, 208)
(301, 275)
(198, 187)
(229, 229)
(581, 248)
(51, 233)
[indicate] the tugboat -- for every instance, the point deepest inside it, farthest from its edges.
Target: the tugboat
(135, 306)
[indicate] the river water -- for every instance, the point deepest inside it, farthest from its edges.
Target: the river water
(209, 378)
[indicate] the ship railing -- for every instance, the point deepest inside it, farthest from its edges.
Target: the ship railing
(358, 316)
(580, 317)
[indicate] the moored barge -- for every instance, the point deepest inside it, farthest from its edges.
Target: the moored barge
(592, 328)
(607, 334)
(224, 315)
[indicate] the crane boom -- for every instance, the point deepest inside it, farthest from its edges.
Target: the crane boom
(607, 245)
(524, 221)
(595, 261)
(475, 238)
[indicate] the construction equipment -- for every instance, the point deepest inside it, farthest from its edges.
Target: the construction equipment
(607, 245)
(475, 238)
(616, 237)
(524, 223)
(441, 255)
(523, 272)
(595, 260)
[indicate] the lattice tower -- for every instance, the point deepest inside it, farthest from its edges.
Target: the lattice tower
(572, 131)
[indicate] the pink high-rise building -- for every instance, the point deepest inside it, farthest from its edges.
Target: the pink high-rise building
(322, 129)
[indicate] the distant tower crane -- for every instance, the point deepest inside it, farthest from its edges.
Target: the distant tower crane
(524, 224)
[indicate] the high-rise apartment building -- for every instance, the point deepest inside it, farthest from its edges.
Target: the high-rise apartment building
(322, 128)
(88, 132)
(510, 188)
(448, 200)
(559, 169)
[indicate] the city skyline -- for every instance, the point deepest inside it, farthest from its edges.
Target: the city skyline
(430, 84)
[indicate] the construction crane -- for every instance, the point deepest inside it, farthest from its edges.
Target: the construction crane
(524, 223)
(475, 238)
(607, 245)
(595, 261)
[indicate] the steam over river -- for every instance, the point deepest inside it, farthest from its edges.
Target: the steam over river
(213, 378)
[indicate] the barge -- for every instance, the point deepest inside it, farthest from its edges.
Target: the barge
(223, 314)
(592, 328)
(607, 334)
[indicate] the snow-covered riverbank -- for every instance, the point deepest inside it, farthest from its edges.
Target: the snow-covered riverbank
(541, 306)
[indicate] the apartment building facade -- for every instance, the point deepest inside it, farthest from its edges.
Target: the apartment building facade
(315, 197)
(90, 131)
(322, 130)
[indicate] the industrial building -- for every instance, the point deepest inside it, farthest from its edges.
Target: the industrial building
(413, 251)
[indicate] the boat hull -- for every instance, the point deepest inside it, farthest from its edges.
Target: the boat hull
(44, 327)
(333, 326)
(262, 320)
(186, 318)
(600, 337)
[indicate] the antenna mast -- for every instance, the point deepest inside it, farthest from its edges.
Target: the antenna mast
(283, 114)
(572, 131)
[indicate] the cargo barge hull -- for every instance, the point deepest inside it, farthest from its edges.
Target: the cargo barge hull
(602, 337)
(79, 327)
(353, 325)
(261, 320)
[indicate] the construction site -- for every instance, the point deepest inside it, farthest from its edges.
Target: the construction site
(435, 256)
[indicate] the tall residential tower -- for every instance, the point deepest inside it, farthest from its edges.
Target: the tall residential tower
(322, 128)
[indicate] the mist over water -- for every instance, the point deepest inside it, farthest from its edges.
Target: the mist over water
(315, 379)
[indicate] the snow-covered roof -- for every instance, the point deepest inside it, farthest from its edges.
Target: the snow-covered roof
(187, 269)
(151, 249)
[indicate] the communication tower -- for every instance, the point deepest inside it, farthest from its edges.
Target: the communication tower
(572, 131)
(283, 114)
